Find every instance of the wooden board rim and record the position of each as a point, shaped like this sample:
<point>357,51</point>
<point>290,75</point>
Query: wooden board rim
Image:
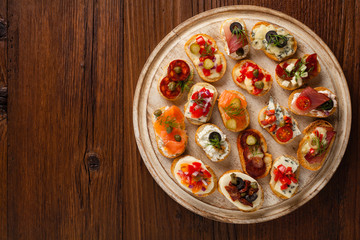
<point>291,204</point>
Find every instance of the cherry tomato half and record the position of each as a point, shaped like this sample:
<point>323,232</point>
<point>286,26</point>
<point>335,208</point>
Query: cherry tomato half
<point>284,134</point>
<point>303,103</point>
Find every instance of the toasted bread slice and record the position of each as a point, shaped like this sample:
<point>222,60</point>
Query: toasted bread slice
<point>195,58</point>
<point>189,79</point>
<point>267,52</point>
<point>267,157</point>
<point>224,181</point>
<point>202,140</point>
<point>193,89</point>
<point>236,73</point>
<point>160,143</point>
<point>306,139</point>
<point>304,81</point>
<point>318,113</point>
<point>293,187</point>
<point>176,167</point>
<point>246,48</point>
<point>246,113</point>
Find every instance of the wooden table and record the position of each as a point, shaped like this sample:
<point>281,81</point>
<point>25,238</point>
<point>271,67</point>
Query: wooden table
<point>69,165</point>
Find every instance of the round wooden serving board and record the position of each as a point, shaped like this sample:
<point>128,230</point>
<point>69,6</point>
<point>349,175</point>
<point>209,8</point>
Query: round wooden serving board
<point>147,99</point>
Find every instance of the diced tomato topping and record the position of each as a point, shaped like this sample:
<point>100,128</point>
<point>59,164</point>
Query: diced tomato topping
<point>200,40</point>
<point>270,112</point>
<point>271,119</point>
<point>268,78</point>
<point>194,176</point>
<point>273,128</point>
<point>202,59</point>
<point>240,78</point>
<point>284,186</point>
<point>207,174</point>
<point>249,75</point>
<point>312,151</point>
<point>282,168</point>
<point>219,68</point>
<point>293,179</point>
<point>206,72</point>
<point>212,50</point>
<point>197,165</point>
<point>257,91</point>
<point>285,176</point>
<point>209,42</point>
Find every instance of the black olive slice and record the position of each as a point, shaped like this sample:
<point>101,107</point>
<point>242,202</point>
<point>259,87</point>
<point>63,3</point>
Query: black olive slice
<point>270,36</point>
<point>327,105</point>
<point>240,183</point>
<point>251,198</point>
<point>215,135</point>
<point>235,27</point>
<point>240,52</point>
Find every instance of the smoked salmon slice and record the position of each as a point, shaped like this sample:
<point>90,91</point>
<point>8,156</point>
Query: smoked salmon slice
<point>171,118</point>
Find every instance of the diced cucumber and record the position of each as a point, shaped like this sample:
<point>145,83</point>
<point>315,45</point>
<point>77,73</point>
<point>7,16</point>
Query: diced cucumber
<point>195,48</point>
<point>251,140</point>
<point>208,64</point>
<point>231,124</point>
<point>235,103</point>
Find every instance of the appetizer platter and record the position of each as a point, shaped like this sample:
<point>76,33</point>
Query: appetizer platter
<point>220,136</point>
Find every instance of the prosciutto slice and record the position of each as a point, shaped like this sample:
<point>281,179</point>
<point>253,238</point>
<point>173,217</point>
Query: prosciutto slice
<point>315,97</point>
<point>234,43</point>
<point>318,158</point>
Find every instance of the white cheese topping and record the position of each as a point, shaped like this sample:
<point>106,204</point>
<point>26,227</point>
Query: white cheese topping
<point>190,160</point>
<point>203,139</point>
<point>287,162</point>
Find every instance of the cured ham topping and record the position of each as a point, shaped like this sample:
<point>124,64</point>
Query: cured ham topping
<point>201,103</point>
<point>236,39</point>
<point>253,153</point>
<point>194,176</point>
<point>242,190</point>
<point>309,99</point>
<point>319,144</point>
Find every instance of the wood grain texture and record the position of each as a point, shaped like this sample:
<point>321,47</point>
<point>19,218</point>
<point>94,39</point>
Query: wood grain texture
<point>72,68</point>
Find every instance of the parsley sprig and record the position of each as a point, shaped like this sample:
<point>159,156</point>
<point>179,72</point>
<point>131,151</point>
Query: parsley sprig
<point>232,110</point>
<point>186,84</point>
<point>215,142</point>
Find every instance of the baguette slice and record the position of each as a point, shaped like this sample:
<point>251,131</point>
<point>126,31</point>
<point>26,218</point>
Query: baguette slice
<point>261,117</point>
<point>291,86</point>
<point>176,167</point>
<point>306,139</point>
<point>236,74</point>
<point>195,58</point>
<point>224,181</point>
<point>194,88</point>
<point>319,113</point>
<point>269,54</point>
<point>213,153</point>
<point>246,113</point>
<point>246,48</point>
<point>272,180</point>
<point>160,142</point>
<point>267,157</point>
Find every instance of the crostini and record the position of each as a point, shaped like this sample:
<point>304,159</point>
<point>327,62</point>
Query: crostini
<point>176,80</point>
<point>200,104</point>
<point>277,43</point>
<point>251,77</point>
<point>255,161</point>
<point>313,102</point>
<point>232,106</point>
<point>170,133</point>
<point>241,190</point>
<point>213,141</point>
<point>194,176</point>
<point>278,122</point>
<point>294,73</point>
<point>316,144</point>
<point>209,62</point>
<point>233,33</point>
<point>284,174</point>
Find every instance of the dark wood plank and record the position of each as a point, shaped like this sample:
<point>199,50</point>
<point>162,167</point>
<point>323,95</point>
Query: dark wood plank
<point>3,119</point>
<point>48,183</point>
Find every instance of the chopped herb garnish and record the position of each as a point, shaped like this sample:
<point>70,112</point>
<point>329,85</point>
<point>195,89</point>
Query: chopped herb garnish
<point>232,110</point>
<point>215,142</point>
